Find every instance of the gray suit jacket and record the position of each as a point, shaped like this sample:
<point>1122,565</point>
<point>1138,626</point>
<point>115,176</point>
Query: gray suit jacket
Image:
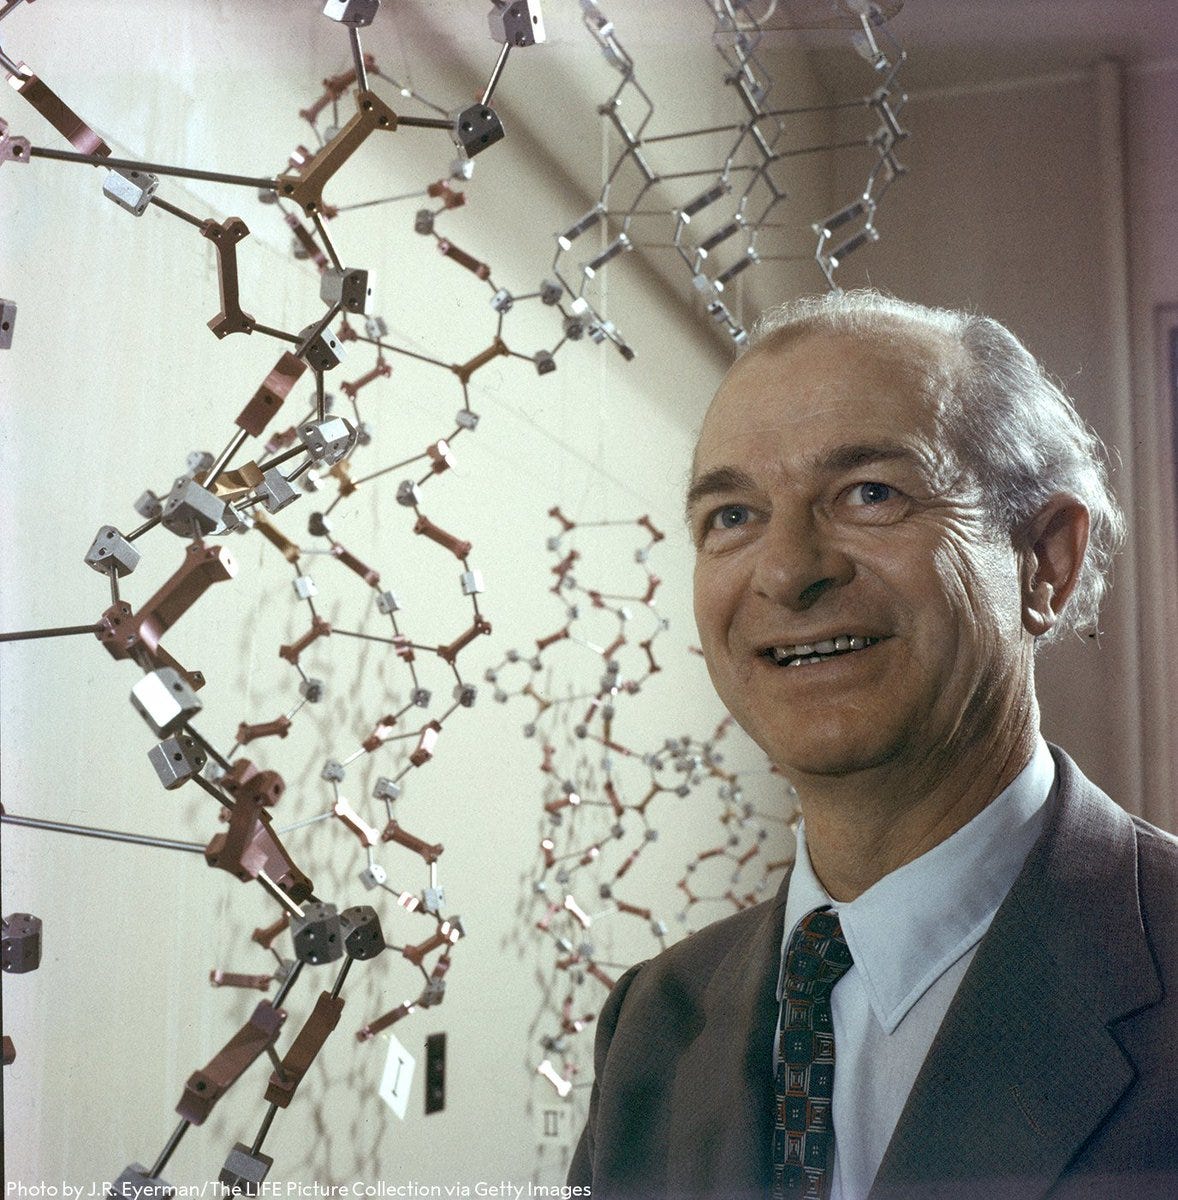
<point>1055,1072</point>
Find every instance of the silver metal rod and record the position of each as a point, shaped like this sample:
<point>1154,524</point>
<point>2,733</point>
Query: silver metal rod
<point>110,835</point>
<point>267,1121</point>
<point>226,457</point>
<point>177,212</point>
<point>100,160</point>
<point>335,262</point>
<point>208,747</point>
<point>169,1149</point>
<point>339,982</point>
<point>143,528</point>
<point>284,990</point>
<point>358,58</point>
<point>493,82</point>
<point>25,635</point>
<point>279,895</point>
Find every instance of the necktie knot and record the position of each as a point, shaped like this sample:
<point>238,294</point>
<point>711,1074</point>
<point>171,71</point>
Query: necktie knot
<point>818,956</point>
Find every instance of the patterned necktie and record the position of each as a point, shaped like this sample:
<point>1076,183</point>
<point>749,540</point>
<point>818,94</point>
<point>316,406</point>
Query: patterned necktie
<point>803,1133</point>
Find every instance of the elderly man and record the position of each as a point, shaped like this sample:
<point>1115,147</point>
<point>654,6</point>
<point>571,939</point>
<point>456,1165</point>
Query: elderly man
<point>968,985</point>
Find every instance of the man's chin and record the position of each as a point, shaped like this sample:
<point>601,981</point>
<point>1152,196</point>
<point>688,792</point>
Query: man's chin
<point>825,758</point>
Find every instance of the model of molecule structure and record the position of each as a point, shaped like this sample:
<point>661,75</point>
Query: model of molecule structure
<point>605,798</point>
<point>310,782</point>
<point>716,220</point>
<point>226,493</point>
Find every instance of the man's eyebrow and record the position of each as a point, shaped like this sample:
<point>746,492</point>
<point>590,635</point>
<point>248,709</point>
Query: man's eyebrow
<point>847,458</point>
<point>723,480</point>
<point>717,481</point>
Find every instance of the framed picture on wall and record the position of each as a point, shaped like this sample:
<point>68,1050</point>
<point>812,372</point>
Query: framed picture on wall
<point>1166,330</point>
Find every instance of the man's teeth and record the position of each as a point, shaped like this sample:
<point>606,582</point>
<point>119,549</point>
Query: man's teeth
<point>814,652</point>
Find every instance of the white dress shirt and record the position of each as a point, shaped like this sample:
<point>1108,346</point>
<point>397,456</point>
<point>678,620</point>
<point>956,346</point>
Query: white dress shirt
<point>912,937</point>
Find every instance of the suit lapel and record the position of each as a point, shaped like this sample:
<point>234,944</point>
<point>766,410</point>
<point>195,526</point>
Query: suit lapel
<point>722,1095</point>
<point>1024,1067</point>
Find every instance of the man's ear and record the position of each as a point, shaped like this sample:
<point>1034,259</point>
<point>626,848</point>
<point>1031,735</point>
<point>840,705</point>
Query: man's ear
<point>1053,544</point>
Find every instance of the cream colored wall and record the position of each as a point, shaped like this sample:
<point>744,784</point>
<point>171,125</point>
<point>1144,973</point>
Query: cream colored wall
<point>112,380</point>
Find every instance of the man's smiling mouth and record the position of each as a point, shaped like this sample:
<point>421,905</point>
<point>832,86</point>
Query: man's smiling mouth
<point>805,653</point>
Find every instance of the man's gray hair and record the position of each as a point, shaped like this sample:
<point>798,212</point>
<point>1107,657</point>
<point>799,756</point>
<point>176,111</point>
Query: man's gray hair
<point>1014,428</point>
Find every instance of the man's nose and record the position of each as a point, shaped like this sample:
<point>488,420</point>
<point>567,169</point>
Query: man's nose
<point>798,560</point>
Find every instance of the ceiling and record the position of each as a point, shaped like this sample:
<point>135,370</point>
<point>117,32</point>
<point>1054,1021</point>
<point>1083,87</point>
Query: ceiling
<point>964,42</point>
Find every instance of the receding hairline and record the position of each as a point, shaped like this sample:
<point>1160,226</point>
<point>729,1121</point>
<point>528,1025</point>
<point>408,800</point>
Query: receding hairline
<point>947,360</point>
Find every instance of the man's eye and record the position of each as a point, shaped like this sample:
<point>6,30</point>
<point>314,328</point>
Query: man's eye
<point>730,516</point>
<point>871,493</point>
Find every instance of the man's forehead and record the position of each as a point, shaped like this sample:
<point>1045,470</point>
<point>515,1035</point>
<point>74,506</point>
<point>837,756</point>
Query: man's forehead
<point>810,386</point>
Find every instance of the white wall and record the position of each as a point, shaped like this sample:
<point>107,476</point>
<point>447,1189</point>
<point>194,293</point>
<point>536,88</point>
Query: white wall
<point>112,380</point>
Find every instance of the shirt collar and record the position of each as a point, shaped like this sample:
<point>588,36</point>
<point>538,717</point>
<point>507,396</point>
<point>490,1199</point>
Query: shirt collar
<point>906,930</point>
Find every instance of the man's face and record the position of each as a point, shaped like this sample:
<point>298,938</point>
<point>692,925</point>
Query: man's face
<point>832,520</point>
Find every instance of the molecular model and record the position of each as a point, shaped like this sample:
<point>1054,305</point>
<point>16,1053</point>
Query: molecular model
<point>605,798</point>
<point>656,196</point>
<point>365,734</point>
<point>222,494</point>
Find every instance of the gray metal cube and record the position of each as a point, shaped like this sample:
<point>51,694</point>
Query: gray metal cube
<point>111,550</point>
<point>136,1184</point>
<point>131,190</point>
<point>7,322</point>
<point>519,23</point>
<point>327,441</point>
<point>363,938</point>
<point>165,701</point>
<point>20,944</point>
<point>244,1172</point>
<point>275,492</point>
<point>351,12</point>
<point>324,351</point>
<point>191,510</point>
<point>348,286</point>
<point>476,128</point>
<point>177,759</point>
<point>316,934</point>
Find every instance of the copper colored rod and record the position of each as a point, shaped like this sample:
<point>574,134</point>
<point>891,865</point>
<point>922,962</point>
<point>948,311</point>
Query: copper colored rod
<point>25,635</point>
<point>98,160</point>
<point>111,835</point>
